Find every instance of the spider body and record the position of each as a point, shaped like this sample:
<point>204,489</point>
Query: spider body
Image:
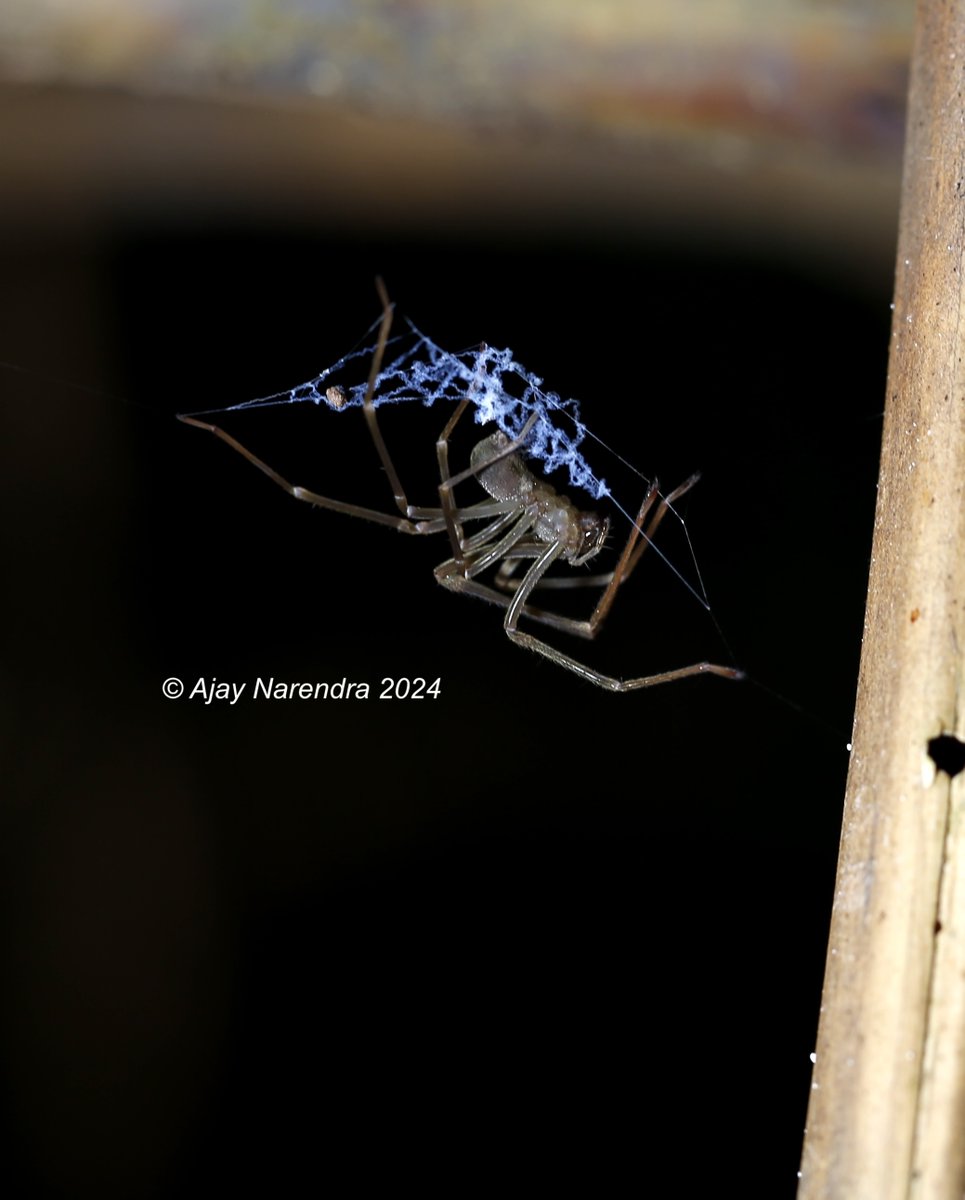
<point>556,517</point>
<point>528,521</point>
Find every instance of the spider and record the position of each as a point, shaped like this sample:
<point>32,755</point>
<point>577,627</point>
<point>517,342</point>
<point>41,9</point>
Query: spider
<point>527,521</point>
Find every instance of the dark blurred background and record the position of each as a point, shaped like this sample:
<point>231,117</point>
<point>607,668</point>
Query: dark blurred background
<point>424,940</point>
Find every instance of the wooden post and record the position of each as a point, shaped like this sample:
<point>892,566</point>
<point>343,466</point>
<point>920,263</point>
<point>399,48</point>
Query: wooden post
<point>887,1112</point>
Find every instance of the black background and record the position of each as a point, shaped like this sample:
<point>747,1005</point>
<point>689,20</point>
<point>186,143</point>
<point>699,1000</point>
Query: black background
<point>526,927</point>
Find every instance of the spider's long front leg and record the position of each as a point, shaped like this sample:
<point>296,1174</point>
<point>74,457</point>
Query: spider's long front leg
<point>430,520</point>
<point>432,524</point>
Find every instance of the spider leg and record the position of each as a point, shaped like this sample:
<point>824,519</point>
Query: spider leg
<point>481,539</point>
<point>495,552</point>
<point>611,580</point>
<point>453,576</point>
<point>505,581</point>
<point>368,406</point>
<point>403,524</point>
<point>422,520</point>
<point>448,482</point>
<point>511,447</point>
<point>625,565</point>
<point>639,538</point>
<point>446,499</point>
<point>457,576</point>
<point>407,510</point>
<point>503,510</point>
<point>413,520</point>
<point>640,535</point>
<point>515,609</point>
<point>665,506</point>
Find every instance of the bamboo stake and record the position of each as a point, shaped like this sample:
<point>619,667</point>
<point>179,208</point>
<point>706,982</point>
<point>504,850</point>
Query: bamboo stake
<point>887,1112</point>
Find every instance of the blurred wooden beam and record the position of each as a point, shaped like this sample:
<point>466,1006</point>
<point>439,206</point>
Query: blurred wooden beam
<point>761,122</point>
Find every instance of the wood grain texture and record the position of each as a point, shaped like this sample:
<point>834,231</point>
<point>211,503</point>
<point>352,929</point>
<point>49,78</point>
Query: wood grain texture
<point>887,1107</point>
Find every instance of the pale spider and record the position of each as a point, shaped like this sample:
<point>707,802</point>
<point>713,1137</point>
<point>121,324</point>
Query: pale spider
<point>527,520</point>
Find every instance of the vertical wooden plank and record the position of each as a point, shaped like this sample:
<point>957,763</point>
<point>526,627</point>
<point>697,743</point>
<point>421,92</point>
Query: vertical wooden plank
<point>887,1112</point>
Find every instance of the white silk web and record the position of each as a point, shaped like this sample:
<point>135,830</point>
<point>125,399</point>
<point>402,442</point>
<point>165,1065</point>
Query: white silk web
<point>502,392</point>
